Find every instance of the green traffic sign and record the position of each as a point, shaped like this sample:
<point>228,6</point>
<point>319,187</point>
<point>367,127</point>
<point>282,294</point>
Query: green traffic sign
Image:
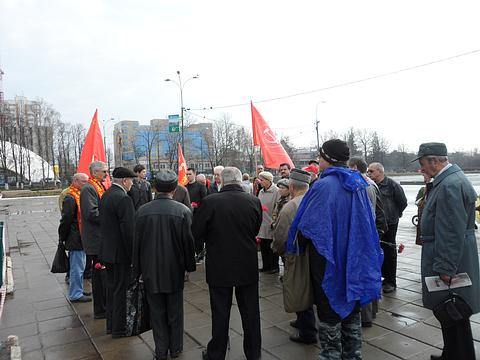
<point>174,128</point>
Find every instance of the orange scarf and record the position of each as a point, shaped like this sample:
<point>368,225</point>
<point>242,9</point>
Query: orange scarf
<point>72,190</point>
<point>98,186</point>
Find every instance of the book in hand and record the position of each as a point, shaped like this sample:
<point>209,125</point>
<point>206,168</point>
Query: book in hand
<point>434,283</point>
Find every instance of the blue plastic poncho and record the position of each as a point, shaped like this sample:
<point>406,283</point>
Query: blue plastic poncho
<point>336,215</point>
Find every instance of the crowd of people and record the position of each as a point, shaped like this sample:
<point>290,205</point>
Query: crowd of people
<point>331,224</point>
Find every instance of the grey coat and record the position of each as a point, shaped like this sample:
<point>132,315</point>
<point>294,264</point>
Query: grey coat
<point>91,237</point>
<point>268,198</point>
<point>447,230</point>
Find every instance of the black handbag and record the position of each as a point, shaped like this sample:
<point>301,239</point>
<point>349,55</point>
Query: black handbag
<point>60,264</point>
<point>138,311</point>
<point>452,309</point>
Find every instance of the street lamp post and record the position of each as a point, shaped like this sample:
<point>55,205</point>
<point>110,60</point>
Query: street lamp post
<point>180,86</point>
<point>105,122</point>
<point>316,124</point>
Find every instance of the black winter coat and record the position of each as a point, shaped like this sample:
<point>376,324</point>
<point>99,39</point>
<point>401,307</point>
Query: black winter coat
<point>68,232</point>
<point>393,198</point>
<point>117,220</point>
<point>164,246</point>
<point>228,222</point>
<point>141,193</point>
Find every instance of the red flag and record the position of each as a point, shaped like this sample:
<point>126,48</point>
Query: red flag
<point>182,167</point>
<point>93,149</point>
<point>273,152</point>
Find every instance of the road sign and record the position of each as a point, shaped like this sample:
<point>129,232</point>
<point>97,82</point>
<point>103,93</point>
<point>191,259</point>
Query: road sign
<point>173,127</point>
<point>174,118</point>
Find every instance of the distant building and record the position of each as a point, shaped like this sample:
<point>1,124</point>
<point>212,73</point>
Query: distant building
<point>156,147</point>
<point>301,156</point>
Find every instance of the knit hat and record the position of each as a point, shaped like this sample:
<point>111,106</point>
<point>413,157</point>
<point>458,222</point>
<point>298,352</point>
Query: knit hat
<point>267,175</point>
<point>283,182</point>
<point>166,181</point>
<point>335,151</point>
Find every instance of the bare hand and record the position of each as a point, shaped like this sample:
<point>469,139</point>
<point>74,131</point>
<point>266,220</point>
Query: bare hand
<point>446,279</point>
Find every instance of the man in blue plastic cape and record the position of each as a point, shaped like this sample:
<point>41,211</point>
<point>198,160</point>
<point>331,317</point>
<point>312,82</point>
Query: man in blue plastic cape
<point>336,220</point>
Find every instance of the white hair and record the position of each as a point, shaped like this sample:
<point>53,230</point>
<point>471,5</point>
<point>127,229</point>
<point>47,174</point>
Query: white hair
<point>378,166</point>
<point>96,165</point>
<point>231,175</point>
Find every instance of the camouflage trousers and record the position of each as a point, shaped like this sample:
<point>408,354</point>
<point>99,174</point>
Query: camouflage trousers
<point>342,340</point>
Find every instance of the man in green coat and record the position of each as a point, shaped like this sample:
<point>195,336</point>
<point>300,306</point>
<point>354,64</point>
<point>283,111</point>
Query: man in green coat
<point>449,244</point>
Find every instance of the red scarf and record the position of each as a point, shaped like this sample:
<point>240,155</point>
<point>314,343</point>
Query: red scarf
<point>72,190</point>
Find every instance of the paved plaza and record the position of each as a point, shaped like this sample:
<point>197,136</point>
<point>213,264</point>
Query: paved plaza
<point>50,327</point>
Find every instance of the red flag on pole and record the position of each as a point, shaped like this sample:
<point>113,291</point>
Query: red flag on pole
<point>273,152</point>
<point>93,149</point>
<point>182,167</point>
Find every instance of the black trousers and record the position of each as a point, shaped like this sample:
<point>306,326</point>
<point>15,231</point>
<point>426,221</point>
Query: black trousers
<point>307,328</point>
<point>99,290</point>
<point>166,316</point>
<point>87,273</point>
<point>458,342</point>
<point>389,266</point>
<point>118,279</point>
<point>221,303</point>
<point>269,258</point>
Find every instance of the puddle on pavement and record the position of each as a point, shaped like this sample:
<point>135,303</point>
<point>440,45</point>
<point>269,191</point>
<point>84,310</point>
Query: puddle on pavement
<point>404,319</point>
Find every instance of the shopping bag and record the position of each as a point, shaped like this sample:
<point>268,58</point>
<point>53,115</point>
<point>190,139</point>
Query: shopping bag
<point>60,264</point>
<point>138,312</point>
<point>297,285</point>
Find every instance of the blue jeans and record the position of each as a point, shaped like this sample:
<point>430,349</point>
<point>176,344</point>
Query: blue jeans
<point>77,266</point>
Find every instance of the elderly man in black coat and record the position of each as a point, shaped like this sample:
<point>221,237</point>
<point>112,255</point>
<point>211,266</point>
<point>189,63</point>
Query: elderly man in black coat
<point>228,223</point>
<point>163,251</point>
<point>117,220</point>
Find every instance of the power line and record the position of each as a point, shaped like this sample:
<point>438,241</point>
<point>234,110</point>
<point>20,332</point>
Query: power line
<point>348,83</point>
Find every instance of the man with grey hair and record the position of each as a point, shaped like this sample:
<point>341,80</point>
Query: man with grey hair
<point>117,218</point>
<point>246,184</point>
<point>89,200</point>
<point>449,247</point>
<point>217,181</point>
<point>228,223</point>
<point>394,202</point>
<point>69,235</point>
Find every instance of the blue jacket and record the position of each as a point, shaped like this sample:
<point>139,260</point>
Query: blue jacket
<point>337,217</point>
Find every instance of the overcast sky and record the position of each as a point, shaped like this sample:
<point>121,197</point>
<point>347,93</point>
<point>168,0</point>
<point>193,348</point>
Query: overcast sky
<point>115,55</point>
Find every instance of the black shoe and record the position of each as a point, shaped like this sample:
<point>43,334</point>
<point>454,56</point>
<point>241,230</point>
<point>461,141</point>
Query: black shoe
<point>436,357</point>
<point>388,288</point>
<point>99,316</point>
<point>175,354</point>
<point>117,336</point>
<point>273,271</point>
<point>301,340</point>
<point>262,270</point>
<point>294,324</point>
<point>87,293</point>
<point>366,324</point>
<point>204,355</point>
<point>82,299</point>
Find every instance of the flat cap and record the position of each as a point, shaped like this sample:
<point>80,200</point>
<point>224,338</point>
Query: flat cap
<point>267,175</point>
<point>122,172</point>
<point>300,175</point>
<point>431,149</point>
<point>166,181</point>
<point>283,182</point>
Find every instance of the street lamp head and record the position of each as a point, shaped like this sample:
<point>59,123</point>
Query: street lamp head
<point>167,80</point>
<point>178,72</point>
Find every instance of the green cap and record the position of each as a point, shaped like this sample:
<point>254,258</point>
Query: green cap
<point>431,149</point>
